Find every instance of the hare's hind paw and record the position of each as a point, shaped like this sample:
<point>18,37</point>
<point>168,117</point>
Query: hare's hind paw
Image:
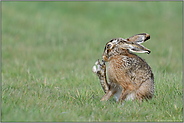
<point>94,69</point>
<point>99,68</point>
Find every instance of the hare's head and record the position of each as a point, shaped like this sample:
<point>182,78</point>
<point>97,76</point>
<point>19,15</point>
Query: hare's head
<point>120,46</point>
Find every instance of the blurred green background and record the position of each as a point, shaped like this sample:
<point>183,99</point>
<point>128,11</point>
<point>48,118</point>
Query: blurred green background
<point>46,46</point>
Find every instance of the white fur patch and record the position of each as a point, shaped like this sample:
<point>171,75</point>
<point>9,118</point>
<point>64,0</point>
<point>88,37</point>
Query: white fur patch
<point>130,96</point>
<point>141,51</point>
<point>94,69</point>
<point>117,94</point>
<point>96,63</point>
<point>115,41</point>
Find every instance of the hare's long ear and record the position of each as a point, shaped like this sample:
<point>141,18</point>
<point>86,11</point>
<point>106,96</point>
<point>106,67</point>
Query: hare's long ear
<point>139,38</point>
<point>133,47</point>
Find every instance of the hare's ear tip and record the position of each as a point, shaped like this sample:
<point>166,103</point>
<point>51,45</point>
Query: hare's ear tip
<point>149,52</point>
<point>147,36</point>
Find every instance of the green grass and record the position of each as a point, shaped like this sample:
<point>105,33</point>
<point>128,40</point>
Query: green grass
<point>48,50</point>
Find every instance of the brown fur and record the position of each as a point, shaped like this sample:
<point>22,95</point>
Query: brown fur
<point>126,70</point>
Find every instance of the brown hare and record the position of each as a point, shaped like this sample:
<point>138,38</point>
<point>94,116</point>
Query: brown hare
<point>130,77</point>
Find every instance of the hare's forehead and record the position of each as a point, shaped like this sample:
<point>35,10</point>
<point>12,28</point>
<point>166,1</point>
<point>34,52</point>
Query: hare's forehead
<point>116,40</point>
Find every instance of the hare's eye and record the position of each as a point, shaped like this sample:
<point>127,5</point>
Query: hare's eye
<point>108,46</point>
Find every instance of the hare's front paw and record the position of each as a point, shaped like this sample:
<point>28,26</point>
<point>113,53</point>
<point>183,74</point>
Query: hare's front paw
<point>99,68</point>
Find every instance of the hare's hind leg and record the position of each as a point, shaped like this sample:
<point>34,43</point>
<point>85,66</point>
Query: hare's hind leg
<point>123,95</point>
<point>100,71</point>
<point>145,91</point>
<point>108,94</point>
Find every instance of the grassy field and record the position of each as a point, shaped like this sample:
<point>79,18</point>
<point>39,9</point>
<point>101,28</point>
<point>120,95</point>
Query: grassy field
<point>48,50</point>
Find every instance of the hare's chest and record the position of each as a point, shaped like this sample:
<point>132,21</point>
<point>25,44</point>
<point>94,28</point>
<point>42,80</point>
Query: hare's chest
<point>119,66</point>
<point>119,63</point>
<point>115,69</point>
